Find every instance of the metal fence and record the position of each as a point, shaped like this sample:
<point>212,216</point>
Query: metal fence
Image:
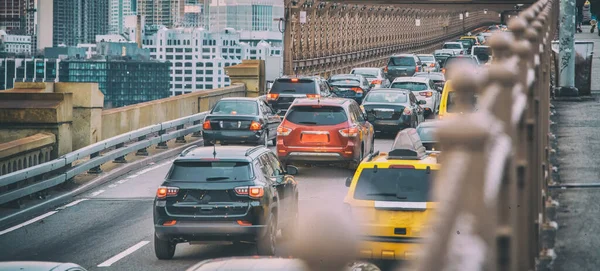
<point>21,183</point>
<point>492,188</point>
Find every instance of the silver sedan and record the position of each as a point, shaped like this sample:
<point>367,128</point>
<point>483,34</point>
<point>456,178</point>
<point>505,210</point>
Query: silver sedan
<point>375,76</point>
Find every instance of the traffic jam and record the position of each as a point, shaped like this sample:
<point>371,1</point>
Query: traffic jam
<point>235,189</point>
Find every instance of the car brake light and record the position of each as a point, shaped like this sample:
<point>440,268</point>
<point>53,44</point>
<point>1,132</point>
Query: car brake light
<point>206,125</point>
<point>426,93</point>
<point>402,166</point>
<point>295,80</point>
<point>254,192</point>
<point>165,191</point>
<point>283,131</point>
<point>272,96</point>
<point>444,70</point>
<point>313,96</point>
<point>432,65</point>
<point>376,82</point>
<point>170,223</point>
<point>357,90</point>
<point>255,126</point>
<point>416,68</point>
<point>349,132</point>
<point>407,111</point>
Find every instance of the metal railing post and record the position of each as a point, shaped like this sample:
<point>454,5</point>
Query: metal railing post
<point>120,159</point>
<point>180,139</point>
<point>142,151</point>
<point>96,169</point>
<point>162,144</point>
<point>199,133</point>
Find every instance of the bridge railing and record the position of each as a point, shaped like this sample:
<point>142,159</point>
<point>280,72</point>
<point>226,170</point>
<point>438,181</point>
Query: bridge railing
<point>492,188</point>
<point>21,183</point>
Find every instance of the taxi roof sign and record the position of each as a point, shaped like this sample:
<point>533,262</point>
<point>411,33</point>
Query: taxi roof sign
<point>408,146</point>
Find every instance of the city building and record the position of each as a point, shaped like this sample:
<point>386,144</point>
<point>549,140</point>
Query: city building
<point>43,32</point>
<point>161,12</point>
<point>77,22</point>
<point>17,44</point>
<point>14,15</point>
<point>198,57</point>
<point>193,15</point>
<point>118,11</point>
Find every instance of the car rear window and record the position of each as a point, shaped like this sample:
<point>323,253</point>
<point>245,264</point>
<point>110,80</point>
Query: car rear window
<point>402,61</point>
<point>386,97</point>
<point>427,134</point>
<point>368,73</point>
<point>452,100</point>
<point>317,115</point>
<point>414,86</point>
<point>482,50</point>
<point>209,171</point>
<point>426,58</point>
<point>344,81</point>
<point>394,184</point>
<point>451,46</point>
<point>466,42</point>
<point>293,86</point>
<point>236,107</point>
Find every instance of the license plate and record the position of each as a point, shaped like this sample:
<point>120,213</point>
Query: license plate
<point>383,115</point>
<point>386,122</point>
<point>315,138</point>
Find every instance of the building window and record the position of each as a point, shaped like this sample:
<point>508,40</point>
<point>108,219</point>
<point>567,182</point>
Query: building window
<point>209,71</point>
<point>177,71</point>
<point>169,50</point>
<point>199,79</point>
<point>206,50</point>
<point>199,71</point>
<point>188,71</point>
<point>209,64</point>
<point>178,57</point>
<point>199,86</point>
<point>188,57</point>
<point>188,50</point>
<point>209,87</point>
<point>199,64</point>
<point>178,64</point>
<point>209,79</point>
<point>179,50</point>
<point>169,57</point>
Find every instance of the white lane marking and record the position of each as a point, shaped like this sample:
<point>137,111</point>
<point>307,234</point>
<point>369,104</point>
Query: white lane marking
<point>123,254</point>
<point>31,221</point>
<point>75,203</point>
<point>122,181</point>
<point>132,176</point>
<point>97,193</point>
<point>112,186</point>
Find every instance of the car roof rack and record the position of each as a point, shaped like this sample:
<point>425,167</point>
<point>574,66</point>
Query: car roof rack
<point>408,146</point>
<point>253,149</point>
<point>187,150</point>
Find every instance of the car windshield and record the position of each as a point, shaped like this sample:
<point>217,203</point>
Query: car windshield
<point>427,58</point>
<point>427,134</point>
<point>368,73</point>
<point>209,171</point>
<point>414,86</point>
<point>294,86</point>
<point>386,97</point>
<point>236,108</point>
<point>316,115</point>
<point>452,100</point>
<point>394,184</point>
<point>402,61</point>
<point>452,46</point>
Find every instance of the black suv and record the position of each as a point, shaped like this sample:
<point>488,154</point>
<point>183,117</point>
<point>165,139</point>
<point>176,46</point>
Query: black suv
<point>225,194</point>
<point>286,89</point>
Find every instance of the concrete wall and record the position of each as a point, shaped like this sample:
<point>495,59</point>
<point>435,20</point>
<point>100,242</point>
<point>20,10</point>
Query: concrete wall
<point>87,112</point>
<point>121,120</point>
<point>26,152</point>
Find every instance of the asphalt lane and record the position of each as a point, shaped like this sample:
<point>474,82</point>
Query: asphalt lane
<point>110,227</point>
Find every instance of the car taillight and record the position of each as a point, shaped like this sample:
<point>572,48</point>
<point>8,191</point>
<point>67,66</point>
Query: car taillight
<point>272,96</point>
<point>432,65</point>
<point>357,90</point>
<point>254,192</point>
<point>407,111</point>
<point>255,126</point>
<point>426,93</point>
<point>349,132</point>
<point>416,68</point>
<point>444,70</point>
<point>376,82</point>
<point>385,69</point>
<point>283,131</point>
<point>166,191</point>
<point>313,95</point>
<point>206,125</point>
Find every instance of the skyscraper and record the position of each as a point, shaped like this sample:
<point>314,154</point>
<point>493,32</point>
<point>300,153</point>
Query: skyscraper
<point>16,15</point>
<point>79,21</point>
<point>161,12</point>
<point>118,10</point>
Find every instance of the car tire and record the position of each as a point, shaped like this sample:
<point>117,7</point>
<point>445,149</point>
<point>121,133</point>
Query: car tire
<point>164,249</point>
<point>354,164</point>
<point>266,245</point>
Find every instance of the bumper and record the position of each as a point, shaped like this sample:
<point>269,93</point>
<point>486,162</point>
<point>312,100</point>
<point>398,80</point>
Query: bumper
<point>315,155</point>
<point>392,125</point>
<point>232,136</point>
<point>209,231</point>
<point>393,249</point>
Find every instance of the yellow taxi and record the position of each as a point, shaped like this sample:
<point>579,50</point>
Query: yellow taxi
<point>389,198</point>
<point>448,102</point>
<point>473,39</point>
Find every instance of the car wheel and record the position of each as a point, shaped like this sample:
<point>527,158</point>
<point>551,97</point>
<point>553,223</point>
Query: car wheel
<point>267,243</point>
<point>164,249</point>
<point>354,164</point>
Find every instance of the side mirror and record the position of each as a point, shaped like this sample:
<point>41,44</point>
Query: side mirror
<point>278,111</point>
<point>292,170</point>
<point>370,118</point>
<point>439,89</point>
<point>422,102</point>
<point>348,181</point>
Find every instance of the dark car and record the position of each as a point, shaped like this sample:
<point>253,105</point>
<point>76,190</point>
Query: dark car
<point>403,65</point>
<point>286,89</point>
<point>39,266</point>
<point>393,109</point>
<point>225,194</point>
<point>351,86</point>
<point>325,131</point>
<point>438,78</point>
<point>426,131</point>
<point>241,121</point>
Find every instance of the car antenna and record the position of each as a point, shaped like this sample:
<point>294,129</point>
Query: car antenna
<point>214,149</point>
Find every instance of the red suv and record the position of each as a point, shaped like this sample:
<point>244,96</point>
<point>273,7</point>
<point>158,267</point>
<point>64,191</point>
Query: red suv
<point>324,131</point>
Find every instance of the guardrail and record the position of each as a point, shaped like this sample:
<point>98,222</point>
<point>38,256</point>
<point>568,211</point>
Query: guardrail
<point>492,187</point>
<point>35,179</point>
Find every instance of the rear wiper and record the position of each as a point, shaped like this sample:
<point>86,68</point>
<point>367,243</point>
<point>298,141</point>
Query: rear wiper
<point>216,178</point>
<point>387,194</point>
<point>289,90</point>
<point>307,122</point>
